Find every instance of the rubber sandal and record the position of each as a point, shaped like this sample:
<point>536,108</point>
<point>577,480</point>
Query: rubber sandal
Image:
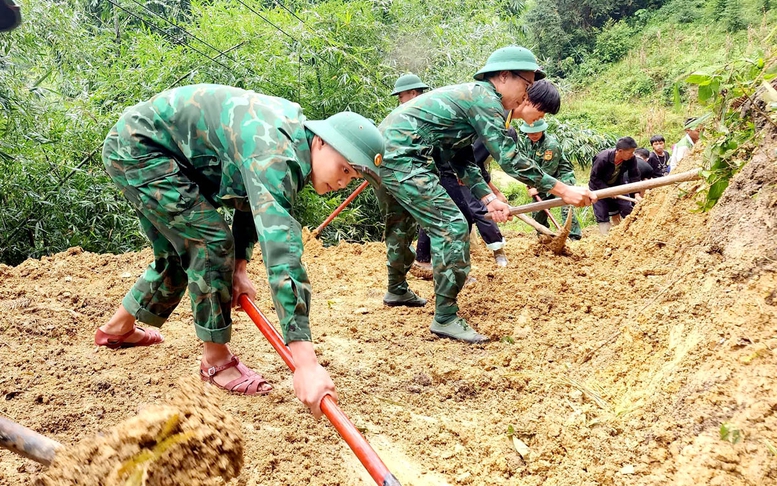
<point>115,341</point>
<point>248,383</point>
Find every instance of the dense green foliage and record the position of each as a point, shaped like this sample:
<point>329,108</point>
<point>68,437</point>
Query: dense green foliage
<point>566,32</point>
<point>741,98</point>
<point>635,96</point>
<point>74,65</point>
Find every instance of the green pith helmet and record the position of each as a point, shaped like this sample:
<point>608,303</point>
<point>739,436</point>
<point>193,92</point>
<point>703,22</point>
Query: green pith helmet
<point>511,58</point>
<point>408,81</point>
<point>354,137</point>
<point>536,127</point>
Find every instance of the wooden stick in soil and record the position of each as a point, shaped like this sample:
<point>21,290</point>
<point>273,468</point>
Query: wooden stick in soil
<point>547,211</point>
<point>531,222</point>
<point>627,198</point>
<point>347,430</point>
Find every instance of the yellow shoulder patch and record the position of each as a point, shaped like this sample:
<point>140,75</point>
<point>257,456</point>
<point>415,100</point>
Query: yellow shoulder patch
<point>548,155</point>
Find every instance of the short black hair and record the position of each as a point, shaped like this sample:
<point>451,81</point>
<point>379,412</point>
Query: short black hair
<point>642,152</point>
<point>545,96</point>
<point>625,143</point>
<point>656,138</point>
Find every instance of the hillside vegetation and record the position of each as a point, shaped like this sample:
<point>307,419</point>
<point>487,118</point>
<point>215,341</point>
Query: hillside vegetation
<point>73,66</point>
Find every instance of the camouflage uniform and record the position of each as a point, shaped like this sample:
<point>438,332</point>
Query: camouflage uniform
<point>432,128</point>
<point>547,153</point>
<point>184,153</point>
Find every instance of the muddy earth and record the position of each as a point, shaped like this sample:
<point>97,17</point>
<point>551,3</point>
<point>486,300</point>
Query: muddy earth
<point>644,358</point>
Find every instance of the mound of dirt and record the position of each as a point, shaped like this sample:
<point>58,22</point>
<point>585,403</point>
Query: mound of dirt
<point>189,441</point>
<point>643,358</point>
<point>744,222</point>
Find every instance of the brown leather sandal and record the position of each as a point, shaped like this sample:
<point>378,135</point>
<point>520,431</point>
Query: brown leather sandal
<point>249,383</point>
<point>115,341</point>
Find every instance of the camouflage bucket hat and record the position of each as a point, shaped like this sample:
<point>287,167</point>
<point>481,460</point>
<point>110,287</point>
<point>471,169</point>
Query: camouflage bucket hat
<point>406,82</point>
<point>354,137</point>
<point>511,58</point>
<point>536,127</point>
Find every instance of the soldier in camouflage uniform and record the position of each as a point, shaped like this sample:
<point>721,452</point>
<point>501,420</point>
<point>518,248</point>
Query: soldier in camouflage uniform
<point>189,150</point>
<point>546,152</point>
<point>429,129</point>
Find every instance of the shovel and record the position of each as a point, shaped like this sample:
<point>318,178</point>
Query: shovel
<point>339,209</point>
<point>558,240</point>
<point>27,442</point>
<point>347,430</point>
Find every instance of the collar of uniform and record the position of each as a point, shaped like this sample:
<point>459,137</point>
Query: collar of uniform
<point>490,87</point>
<point>308,164</point>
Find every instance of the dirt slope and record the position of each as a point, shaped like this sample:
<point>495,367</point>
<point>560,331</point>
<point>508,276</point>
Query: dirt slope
<point>616,364</point>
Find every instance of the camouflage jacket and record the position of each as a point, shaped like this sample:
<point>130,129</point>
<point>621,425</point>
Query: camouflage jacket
<point>244,150</point>
<point>434,126</point>
<point>546,153</point>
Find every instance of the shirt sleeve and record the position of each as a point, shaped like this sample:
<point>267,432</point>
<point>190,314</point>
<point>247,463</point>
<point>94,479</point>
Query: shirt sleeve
<point>271,189</point>
<point>489,124</point>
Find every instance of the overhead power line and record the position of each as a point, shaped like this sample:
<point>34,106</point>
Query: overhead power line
<point>318,34</point>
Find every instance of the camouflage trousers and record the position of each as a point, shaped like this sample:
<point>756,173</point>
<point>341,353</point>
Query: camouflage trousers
<point>542,217</point>
<point>414,198</point>
<point>193,245</point>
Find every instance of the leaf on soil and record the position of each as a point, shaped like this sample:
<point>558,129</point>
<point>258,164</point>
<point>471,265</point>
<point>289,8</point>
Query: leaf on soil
<point>730,433</point>
<point>520,446</point>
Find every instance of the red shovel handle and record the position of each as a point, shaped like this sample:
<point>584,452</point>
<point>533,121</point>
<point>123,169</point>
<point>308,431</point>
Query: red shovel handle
<point>339,209</point>
<point>344,426</point>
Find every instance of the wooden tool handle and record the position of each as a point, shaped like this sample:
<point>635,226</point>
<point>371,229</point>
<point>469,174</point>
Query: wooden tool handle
<point>27,442</point>
<point>612,191</point>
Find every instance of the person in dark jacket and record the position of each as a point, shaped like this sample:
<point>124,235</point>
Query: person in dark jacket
<point>613,167</point>
<point>645,169</point>
<point>659,157</point>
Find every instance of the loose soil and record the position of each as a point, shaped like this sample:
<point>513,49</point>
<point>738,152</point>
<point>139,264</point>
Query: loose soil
<point>615,363</point>
<point>187,440</point>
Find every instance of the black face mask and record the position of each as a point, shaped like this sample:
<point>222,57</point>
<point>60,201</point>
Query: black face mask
<point>10,17</point>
